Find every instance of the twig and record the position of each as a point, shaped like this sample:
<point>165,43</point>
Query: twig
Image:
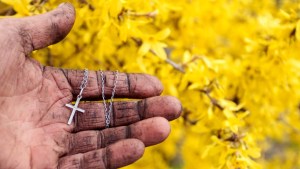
<point>212,100</point>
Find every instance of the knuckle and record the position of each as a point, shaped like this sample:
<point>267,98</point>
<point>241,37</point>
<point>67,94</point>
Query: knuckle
<point>16,33</point>
<point>25,40</point>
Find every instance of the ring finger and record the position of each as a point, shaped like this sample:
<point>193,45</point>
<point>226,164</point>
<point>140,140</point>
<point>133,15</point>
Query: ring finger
<point>151,131</point>
<point>117,155</point>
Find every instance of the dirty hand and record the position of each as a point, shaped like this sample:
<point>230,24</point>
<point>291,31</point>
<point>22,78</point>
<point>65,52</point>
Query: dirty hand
<point>33,117</point>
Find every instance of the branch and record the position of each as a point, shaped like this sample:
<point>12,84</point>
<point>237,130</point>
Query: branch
<point>212,100</point>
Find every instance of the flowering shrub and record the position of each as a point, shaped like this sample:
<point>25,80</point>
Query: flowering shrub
<point>233,64</point>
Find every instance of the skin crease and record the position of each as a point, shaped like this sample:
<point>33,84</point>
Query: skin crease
<point>33,116</point>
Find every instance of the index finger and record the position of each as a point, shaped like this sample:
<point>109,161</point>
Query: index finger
<point>128,85</point>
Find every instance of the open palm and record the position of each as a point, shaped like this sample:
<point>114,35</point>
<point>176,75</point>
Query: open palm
<point>33,117</point>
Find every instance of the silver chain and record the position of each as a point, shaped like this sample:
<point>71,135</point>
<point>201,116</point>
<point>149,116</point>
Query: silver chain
<point>108,112</point>
<point>83,82</point>
<point>103,96</point>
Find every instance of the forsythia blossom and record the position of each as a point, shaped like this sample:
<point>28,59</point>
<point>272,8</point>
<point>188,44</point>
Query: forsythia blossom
<point>234,65</point>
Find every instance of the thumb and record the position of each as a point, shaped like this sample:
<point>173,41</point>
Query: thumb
<point>43,30</point>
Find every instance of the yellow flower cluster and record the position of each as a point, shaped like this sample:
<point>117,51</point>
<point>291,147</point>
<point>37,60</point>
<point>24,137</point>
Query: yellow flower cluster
<point>234,65</point>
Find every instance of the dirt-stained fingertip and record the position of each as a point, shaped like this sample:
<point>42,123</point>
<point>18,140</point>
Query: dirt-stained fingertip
<point>144,85</point>
<point>165,106</point>
<point>124,152</point>
<point>65,14</point>
<point>151,131</point>
<point>42,30</point>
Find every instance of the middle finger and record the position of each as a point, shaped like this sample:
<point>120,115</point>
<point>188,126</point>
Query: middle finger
<point>150,131</point>
<point>126,112</point>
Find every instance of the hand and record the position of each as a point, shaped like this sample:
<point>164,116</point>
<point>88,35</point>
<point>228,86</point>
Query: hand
<point>33,116</point>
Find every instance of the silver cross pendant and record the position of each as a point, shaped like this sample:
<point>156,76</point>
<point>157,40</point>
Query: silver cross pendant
<point>75,108</point>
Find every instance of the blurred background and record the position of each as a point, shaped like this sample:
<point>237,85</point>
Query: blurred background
<point>235,66</point>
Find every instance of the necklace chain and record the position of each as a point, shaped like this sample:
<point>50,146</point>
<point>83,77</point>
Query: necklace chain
<point>83,82</point>
<point>108,112</point>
